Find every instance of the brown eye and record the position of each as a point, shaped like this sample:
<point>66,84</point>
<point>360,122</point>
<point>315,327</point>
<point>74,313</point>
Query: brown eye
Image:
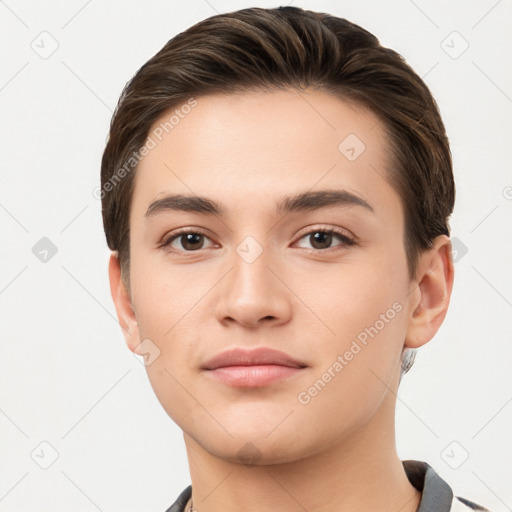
<point>191,241</point>
<point>322,239</point>
<point>185,241</point>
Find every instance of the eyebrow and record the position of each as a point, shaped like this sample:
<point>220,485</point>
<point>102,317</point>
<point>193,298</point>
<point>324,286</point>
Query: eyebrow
<point>296,203</point>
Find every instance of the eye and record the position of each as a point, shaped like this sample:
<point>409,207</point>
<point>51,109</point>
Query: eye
<point>190,240</point>
<point>321,239</point>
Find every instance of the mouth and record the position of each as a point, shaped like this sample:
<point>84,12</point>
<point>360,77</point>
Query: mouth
<point>252,368</point>
<point>253,376</point>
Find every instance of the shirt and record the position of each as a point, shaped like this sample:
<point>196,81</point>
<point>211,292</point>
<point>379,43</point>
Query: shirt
<point>436,494</point>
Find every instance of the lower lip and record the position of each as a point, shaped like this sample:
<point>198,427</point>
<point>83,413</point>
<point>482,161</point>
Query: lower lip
<point>253,376</point>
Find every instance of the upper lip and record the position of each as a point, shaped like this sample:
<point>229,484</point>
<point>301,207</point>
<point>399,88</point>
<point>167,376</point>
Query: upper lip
<point>257,356</point>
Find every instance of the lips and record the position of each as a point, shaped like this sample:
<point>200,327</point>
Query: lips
<point>255,357</point>
<point>254,368</point>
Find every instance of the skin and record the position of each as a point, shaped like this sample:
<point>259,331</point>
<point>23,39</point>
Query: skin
<point>337,452</point>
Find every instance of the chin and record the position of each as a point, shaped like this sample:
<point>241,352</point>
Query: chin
<point>257,452</point>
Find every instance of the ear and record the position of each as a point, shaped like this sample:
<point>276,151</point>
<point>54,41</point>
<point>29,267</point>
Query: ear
<point>430,296</point>
<point>123,303</point>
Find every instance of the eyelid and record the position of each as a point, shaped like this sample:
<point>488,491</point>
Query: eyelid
<point>343,232</point>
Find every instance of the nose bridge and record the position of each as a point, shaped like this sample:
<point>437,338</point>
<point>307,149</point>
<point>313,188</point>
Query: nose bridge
<point>251,278</point>
<point>251,261</point>
<point>251,291</point>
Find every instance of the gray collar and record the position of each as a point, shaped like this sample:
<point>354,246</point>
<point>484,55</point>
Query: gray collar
<point>436,494</point>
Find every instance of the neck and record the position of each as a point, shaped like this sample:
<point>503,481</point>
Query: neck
<point>361,472</point>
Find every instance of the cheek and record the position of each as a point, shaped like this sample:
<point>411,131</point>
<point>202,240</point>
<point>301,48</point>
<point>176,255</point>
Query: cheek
<point>165,296</point>
<point>345,300</point>
<point>165,316</point>
<point>358,364</point>
<point>363,324</point>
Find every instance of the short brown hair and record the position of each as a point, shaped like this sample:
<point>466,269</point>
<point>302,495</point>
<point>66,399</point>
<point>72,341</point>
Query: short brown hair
<point>287,47</point>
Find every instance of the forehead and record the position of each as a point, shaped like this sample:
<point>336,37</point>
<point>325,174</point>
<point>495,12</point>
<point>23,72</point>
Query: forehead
<point>246,151</point>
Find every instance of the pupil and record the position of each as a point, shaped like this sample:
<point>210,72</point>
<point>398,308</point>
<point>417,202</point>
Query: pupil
<point>191,239</point>
<point>324,238</point>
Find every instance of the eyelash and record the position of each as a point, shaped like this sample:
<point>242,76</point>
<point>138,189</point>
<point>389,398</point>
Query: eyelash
<point>346,241</point>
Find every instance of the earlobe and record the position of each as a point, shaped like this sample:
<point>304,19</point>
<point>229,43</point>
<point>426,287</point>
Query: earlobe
<point>123,304</point>
<point>432,294</point>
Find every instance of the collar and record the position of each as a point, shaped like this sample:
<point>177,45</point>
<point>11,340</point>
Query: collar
<point>436,494</point>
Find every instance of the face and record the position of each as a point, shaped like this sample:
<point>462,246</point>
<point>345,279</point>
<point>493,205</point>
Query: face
<point>322,279</point>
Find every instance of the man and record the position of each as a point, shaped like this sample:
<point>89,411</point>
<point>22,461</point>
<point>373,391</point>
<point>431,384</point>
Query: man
<point>276,191</point>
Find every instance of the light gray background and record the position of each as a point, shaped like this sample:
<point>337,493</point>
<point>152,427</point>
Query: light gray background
<point>67,377</point>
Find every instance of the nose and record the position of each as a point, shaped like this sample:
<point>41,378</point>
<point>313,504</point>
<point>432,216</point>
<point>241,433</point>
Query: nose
<point>252,293</point>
